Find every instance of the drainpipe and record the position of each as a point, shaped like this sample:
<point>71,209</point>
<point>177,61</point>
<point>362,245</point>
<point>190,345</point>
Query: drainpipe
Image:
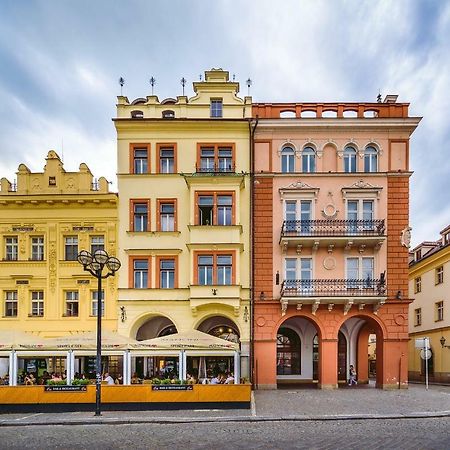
<point>252,128</point>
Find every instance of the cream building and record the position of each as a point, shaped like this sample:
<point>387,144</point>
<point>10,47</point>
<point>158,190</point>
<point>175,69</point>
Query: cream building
<point>184,214</point>
<point>429,285</point>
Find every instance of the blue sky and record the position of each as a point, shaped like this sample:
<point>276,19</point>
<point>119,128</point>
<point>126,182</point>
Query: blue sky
<point>60,61</point>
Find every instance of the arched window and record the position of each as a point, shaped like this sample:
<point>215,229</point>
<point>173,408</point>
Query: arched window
<point>287,160</point>
<point>370,159</point>
<point>308,160</point>
<point>288,352</point>
<point>349,159</point>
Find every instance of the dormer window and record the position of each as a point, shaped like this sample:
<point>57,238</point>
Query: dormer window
<point>52,181</point>
<point>137,115</point>
<point>168,114</point>
<point>216,107</point>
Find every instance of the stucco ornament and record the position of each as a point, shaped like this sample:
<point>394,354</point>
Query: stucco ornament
<point>330,211</point>
<point>405,237</point>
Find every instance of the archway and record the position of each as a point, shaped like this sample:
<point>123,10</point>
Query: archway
<point>222,327</point>
<point>155,327</point>
<point>297,353</point>
<point>364,349</point>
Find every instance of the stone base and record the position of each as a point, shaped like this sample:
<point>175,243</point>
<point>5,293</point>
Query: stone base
<point>328,386</point>
<point>266,386</point>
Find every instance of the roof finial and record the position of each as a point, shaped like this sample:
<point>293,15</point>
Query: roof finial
<point>379,96</point>
<point>121,82</point>
<point>183,83</point>
<point>249,83</point>
<point>152,82</point>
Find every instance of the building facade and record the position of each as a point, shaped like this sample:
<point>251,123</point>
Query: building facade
<point>46,218</point>
<point>429,286</point>
<point>184,215</point>
<point>330,262</point>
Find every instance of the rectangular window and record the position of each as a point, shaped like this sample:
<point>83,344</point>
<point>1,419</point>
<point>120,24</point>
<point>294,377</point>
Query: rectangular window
<point>140,273</point>
<point>439,311</point>
<point>167,158</point>
<point>166,273</point>
<point>417,285</point>
<point>37,248</point>
<point>418,317</point>
<point>440,275</point>
<point>298,273</point>
<point>224,269</point>
<point>94,303</point>
<point>166,214</point>
<point>215,268</point>
<point>139,158</point>
<point>216,107</point>
<point>140,215</point>
<point>218,158</point>
<point>360,272</point>
<point>215,208</point>
<point>37,303</point>
<point>70,248</point>
<point>11,304</point>
<point>360,210</point>
<point>71,303</point>
<point>12,248</point>
<point>97,243</point>
<point>205,269</point>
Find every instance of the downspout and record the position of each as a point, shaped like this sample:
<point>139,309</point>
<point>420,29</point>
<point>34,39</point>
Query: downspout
<point>252,128</point>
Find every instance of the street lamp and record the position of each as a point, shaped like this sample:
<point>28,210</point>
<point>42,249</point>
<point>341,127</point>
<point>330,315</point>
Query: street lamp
<point>94,264</point>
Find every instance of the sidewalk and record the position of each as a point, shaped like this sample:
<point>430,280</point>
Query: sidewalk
<point>291,405</point>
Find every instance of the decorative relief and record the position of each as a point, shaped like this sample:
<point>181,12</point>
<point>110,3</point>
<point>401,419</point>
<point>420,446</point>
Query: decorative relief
<point>330,211</point>
<point>405,237</point>
<point>299,185</point>
<point>52,266</point>
<point>260,321</point>
<point>361,184</point>
<point>329,263</point>
<point>70,184</point>
<point>22,244</point>
<point>399,320</point>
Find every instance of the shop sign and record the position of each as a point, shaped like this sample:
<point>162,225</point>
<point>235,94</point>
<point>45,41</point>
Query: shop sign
<point>64,388</point>
<point>172,387</point>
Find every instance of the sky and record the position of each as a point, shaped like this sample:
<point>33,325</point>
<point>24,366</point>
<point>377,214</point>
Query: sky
<point>60,61</point>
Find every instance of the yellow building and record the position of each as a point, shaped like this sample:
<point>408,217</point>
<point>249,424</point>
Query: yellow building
<point>184,215</point>
<point>45,219</point>
<point>429,285</point>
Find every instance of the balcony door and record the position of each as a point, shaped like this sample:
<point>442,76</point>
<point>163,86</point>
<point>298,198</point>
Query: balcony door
<point>360,210</point>
<point>298,210</point>
<point>360,272</point>
<point>298,274</point>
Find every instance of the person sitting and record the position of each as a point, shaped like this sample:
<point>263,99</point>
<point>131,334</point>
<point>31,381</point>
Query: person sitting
<point>215,380</point>
<point>29,380</point>
<point>135,379</point>
<point>119,380</point>
<point>108,378</point>
<point>229,379</point>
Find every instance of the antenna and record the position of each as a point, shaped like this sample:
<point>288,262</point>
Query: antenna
<point>183,83</point>
<point>121,82</point>
<point>152,83</point>
<point>249,83</point>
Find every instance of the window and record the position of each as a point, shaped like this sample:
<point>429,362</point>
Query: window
<point>370,159</point>
<point>216,107</point>
<point>166,214</point>
<point>350,159</point>
<point>94,303</point>
<point>288,352</point>
<point>214,158</point>
<point>37,303</point>
<point>360,269</point>
<point>166,158</point>
<point>97,243</point>
<point>215,269</point>
<point>11,248</point>
<point>418,317</point>
<point>439,311</point>
<point>298,273</point>
<point>287,160</point>
<point>37,248</point>
<point>167,273</point>
<point>140,217</point>
<point>139,158</point>
<point>298,210</point>
<point>70,248</point>
<point>417,285</point>
<point>11,304</point>
<point>215,208</point>
<point>71,303</point>
<point>440,275</point>
<point>140,273</point>
<point>308,160</point>
<point>360,210</point>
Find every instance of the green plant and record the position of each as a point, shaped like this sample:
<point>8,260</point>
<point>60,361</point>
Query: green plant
<point>57,382</point>
<point>165,381</point>
<point>80,382</point>
<point>156,381</point>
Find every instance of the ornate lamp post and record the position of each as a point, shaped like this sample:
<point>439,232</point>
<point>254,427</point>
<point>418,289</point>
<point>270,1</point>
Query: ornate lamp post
<point>94,264</point>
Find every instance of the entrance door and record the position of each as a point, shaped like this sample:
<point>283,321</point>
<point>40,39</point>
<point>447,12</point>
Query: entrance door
<point>316,358</point>
<point>342,357</point>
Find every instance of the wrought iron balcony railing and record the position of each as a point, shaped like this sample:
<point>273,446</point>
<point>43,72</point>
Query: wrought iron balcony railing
<point>228,167</point>
<point>334,288</point>
<point>330,227</point>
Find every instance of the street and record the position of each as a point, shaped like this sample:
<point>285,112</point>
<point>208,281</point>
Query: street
<point>360,434</point>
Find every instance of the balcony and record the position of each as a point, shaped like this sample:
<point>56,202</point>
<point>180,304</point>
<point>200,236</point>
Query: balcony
<point>221,168</point>
<point>330,292</point>
<point>228,295</point>
<point>326,232</point>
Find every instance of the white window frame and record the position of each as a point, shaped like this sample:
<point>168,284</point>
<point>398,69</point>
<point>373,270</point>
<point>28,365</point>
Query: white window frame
<point>37,303</point>
<point>288,151</point>
<point>12,242</point>
<point>418,317</point>
<point>37,248</point>
<point>94,303</point>
<point>309,156</point>
<point>439,308</point>
<point>70,298</point>
<point>360,269</point>
<point>345,157</point>
<point>369,157</point>
<point>11,297</point>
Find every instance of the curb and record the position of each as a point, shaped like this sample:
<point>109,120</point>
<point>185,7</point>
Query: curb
<point>248,419</point>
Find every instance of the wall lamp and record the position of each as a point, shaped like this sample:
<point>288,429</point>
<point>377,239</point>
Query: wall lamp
<point>398,296</point>
<point>262,295</point>
<point>442,341</point>
<point>214,291</point>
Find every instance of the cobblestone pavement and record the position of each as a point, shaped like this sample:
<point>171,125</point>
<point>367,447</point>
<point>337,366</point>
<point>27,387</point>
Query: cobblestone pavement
<point>401,434</point>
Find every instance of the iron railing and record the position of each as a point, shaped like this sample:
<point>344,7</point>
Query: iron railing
<point>334,288</point>
<point>330,227</point>
<point>216,168</point>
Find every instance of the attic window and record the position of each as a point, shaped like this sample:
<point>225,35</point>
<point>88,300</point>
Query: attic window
<point>137,115</point>
<point>216,107</point>
<point>168,114</point>
<point>52,181</point>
